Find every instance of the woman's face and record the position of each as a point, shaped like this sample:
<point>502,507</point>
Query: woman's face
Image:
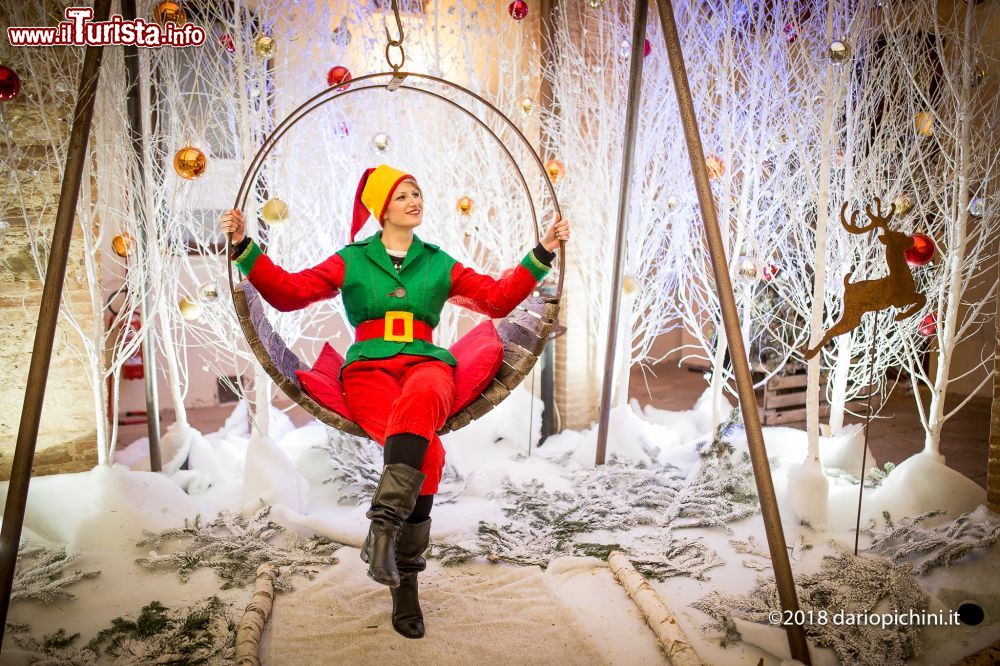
<point>406,206</point>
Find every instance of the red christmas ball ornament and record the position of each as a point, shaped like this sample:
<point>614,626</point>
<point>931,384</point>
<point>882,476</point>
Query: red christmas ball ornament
<point>338,75</point>
<point>518,9</point>
<point>10,83</point>
<point>227,42</point>
<point>647,48</point>
<point>769,272</point>
<point>922,252</point>
<point>791,33</point>
<point>928,325</point>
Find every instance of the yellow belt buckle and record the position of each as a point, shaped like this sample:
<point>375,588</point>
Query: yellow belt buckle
<point>395,315</point>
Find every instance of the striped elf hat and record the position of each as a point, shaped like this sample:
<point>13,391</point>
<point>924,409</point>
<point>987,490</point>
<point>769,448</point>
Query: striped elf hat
<point>374,190</point>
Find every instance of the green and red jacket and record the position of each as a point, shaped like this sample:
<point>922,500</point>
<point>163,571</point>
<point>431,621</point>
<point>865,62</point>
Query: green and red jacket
<point>370,285</point>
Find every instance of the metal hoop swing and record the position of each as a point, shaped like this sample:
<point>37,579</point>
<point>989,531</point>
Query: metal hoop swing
<point>524,332</point>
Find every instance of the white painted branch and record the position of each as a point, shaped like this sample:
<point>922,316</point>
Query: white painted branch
<point>659,618</point>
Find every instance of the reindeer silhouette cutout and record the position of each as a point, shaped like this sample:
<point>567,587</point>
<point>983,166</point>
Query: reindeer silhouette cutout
<point>896,289</point>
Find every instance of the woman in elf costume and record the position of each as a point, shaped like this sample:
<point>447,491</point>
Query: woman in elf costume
<point>398,385</point>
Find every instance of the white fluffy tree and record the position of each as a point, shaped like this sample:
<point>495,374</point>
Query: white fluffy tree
<point>951,172</point>
<point>35,153</point>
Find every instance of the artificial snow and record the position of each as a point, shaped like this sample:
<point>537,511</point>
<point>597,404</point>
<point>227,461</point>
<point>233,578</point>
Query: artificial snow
<point>101,513</point>
<point>808,490</point>
<point>845,450</point>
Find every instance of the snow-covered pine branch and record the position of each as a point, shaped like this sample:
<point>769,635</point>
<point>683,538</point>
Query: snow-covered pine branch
<point>720,490</point>
<point>40,573</point>
<point>846,584</point>
<point>203,632</point>
<point>908,539</point>
<point>234,547</point>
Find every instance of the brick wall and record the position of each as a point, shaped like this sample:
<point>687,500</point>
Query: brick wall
<point>32,123</point>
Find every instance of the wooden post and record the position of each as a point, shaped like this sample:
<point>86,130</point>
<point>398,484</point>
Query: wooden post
<point>48,315</point>
<point>138,188</point>
<point>625,187</point>
<point>734,336</point>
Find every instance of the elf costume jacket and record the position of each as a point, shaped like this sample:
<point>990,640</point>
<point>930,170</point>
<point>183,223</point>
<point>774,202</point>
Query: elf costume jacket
<point>372,289</point>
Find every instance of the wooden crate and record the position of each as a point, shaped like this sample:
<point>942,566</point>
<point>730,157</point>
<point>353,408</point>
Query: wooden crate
<point>783,400</point>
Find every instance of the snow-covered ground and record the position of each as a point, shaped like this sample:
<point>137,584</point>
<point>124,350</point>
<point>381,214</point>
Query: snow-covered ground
<point>102,513</point>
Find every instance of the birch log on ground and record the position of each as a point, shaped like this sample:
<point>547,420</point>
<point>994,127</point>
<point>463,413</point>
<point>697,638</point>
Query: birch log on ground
<point>255,617</point>
<point>659,618</point>
<point>993,462</point>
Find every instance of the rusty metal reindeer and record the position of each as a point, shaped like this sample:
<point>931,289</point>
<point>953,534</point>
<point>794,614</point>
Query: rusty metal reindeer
<point>897,289</point>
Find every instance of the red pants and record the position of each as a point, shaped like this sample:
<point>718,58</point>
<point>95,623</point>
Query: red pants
<point>404,393</point>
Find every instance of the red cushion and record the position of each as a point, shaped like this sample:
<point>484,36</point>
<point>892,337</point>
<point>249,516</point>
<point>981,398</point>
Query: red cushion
<point>323,381</point>
<point>479,354</point>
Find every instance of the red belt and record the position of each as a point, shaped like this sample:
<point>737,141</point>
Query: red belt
<point>396,326</point>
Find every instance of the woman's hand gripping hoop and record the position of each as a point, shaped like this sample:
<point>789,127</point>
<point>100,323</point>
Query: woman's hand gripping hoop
<point>558,232</point>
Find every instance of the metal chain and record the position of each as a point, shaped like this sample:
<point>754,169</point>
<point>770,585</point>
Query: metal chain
<point>397,43</point>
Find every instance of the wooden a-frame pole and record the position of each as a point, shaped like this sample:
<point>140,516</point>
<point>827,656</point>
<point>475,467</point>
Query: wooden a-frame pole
<point>48,315</point>
<point>724,288</point>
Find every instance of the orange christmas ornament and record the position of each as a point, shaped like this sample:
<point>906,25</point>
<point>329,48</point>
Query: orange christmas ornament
<point>716,167</point>
<point>189,162</point>
<point>924,123</point>
<point>555,169</point>
<point>122,244</point>
<point>169,12</point>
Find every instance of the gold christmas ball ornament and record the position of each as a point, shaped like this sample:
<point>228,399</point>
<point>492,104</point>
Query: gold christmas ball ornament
<point>839,52</point>
<point>464,205</point>
<point>526,104</point>
<point>208,292</point>
<point>555,169</point>
<point>380,142</point>
<point>629,285</point>
<point>189,162</point>
<point>190,309</point>
<point>595,4</point>
<point>122,244</point>
<point>716,167</point>
<point>169,12</point>
<point>748,269</point>
<point>265,46</point>
<point>904,204</point>
<point>979,75</point>
<point>274,211</point>
<point>924,123</point>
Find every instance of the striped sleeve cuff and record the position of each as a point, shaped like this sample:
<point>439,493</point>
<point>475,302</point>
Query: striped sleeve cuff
<point>534,266</point>
<point>247,258</point>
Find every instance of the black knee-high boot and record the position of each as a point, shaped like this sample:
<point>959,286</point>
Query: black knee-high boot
<point>392,502</point>
<point>407,618</point>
